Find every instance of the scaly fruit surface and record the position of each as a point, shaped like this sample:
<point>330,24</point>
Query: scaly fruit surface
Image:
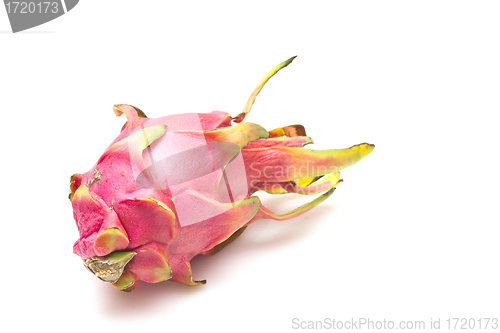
<point>170,188</point>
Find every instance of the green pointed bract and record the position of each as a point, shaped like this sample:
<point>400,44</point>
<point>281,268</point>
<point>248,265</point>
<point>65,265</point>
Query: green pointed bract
<point>281,164</point>
<point>109,268</point>
<point>126,282</point>
<point>239,134</point>
<point>265,213</point>
<point>110,240</point>
<point>170,188</point>
<point>248,105</point>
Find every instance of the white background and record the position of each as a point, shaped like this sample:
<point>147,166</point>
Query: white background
<point>411,234</point>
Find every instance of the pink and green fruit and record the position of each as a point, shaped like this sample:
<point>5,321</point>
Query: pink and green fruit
<point>170,188</point>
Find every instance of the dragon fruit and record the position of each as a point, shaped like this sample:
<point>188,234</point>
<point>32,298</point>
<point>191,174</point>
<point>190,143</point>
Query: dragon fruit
<point>170,188</point>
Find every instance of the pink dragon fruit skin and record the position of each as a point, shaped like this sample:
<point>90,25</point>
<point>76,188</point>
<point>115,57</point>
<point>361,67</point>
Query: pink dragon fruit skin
<point>170,188</point>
